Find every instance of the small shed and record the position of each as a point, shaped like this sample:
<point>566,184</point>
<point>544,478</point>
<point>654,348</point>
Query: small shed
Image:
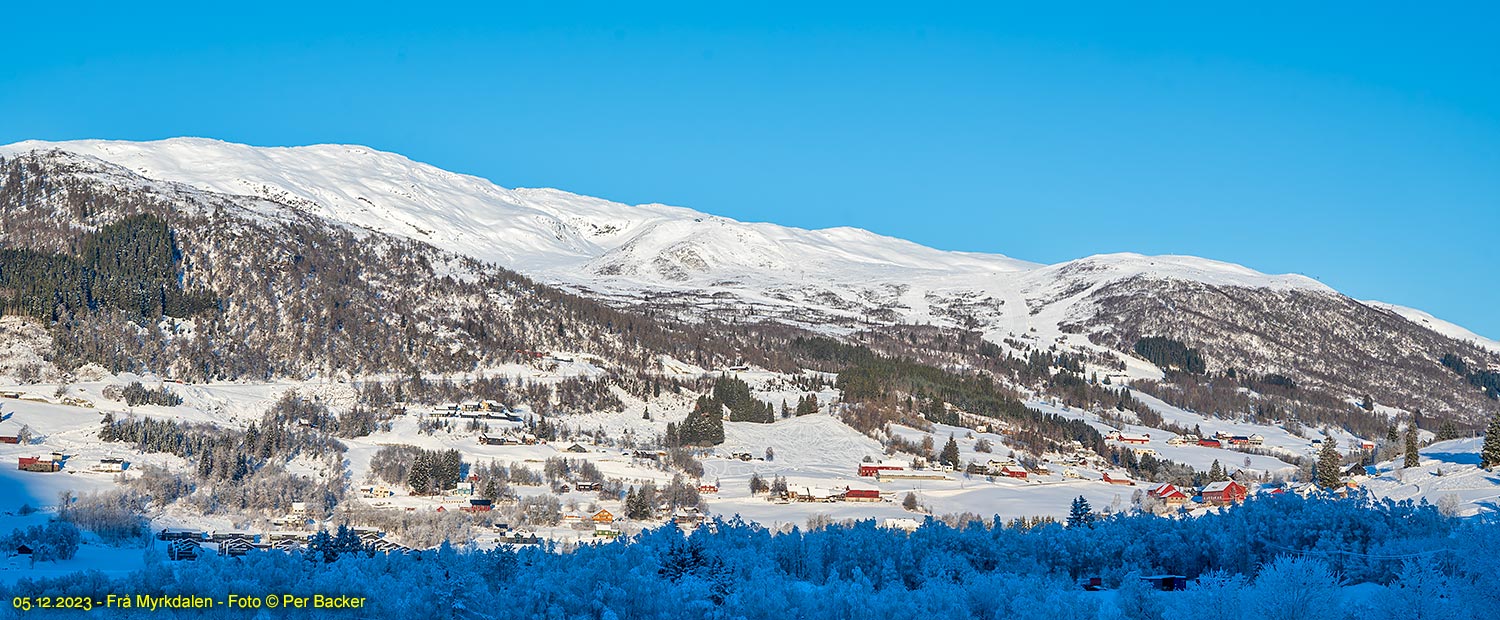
<point>1166,583</point>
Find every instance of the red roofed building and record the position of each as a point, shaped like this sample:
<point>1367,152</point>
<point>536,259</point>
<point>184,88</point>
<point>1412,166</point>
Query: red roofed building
<point>1118,480</point>
<point>874,469</point>
<point>1169,494</point>
<point>1227,492</point>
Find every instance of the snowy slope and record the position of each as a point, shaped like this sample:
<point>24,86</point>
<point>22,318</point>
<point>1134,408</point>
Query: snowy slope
<point>622,250</point>
<point>1438,325</point>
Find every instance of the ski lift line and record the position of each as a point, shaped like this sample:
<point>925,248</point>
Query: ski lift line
<point>1406,556</point>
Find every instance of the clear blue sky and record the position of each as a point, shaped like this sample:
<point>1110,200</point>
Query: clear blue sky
<point>1358,143</point>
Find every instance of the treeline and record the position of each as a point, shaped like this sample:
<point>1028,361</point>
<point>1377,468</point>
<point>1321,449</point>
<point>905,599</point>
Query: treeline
<point>743,406</point>
<point>703,426</point>
<point>873,378</point>
<point>129,265</point>
<point>1484,379</point>
<point>1170,355</point>
<point>137,394</point>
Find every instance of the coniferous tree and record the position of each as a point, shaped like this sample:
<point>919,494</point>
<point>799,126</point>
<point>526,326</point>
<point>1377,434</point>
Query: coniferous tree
<point>1412,457</point>
<point>949,455</point>
<point>1392,435</point>
<point>1081,513</point>
<point>1216,472</point>
<point>1447,431</point>
<point>1329,472</point>
<point>1489,455</point>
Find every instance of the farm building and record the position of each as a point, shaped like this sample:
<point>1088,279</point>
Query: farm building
<point>1227,492</point>
<point>605,530</point>
<point>1169,494</point>
<point>1166,583</point>
<point>37,463</point>
<point>861,495</point>
<point>10,439</point>
<point>874,469</point>
<point>110,465</point>
<point>576,448</point>
<point>708,488</point>
<point>1121,480</point>
<point>812,494</point>
<point>688,517</point>
<point>1210,443</point>
<point>1013,471</point>
<point>1128,438</point>
<point>910,475</point>
<point>603,516</point>
<point>478,504</point>
<point>901,523</point>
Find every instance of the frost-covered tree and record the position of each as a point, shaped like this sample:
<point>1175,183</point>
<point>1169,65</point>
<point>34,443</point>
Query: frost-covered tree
<point>1295,588</point>
<point>1421,591</point>
<point>1081,513</point>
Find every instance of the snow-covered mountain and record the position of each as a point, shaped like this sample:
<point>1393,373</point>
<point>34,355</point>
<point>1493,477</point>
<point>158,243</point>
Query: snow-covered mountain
<point>579,241</point>
<point>694,265</point>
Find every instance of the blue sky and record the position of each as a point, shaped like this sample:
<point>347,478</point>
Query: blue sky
<point>1358,143</point>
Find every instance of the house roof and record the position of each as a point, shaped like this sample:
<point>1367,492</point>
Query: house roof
<point>1219,487</point>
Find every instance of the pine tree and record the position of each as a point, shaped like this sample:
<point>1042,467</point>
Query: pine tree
<point>1081,514</point>
<point>1216,472</point>
<point>950,453</point>
<point>1489,456</point>
<point>1447,431</point>
<point>1329,472</point>
<point>1412,458</point>
<point>418,480</point>
<point>1392,435</point>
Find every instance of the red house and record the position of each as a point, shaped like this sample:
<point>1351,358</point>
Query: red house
<point>862,495</point>
<point>9,439</point>
<point>1210,443</point>
<point>477,504</point>
<point>1227,492</point>
<point>1011,471</point>
<point>1113,480</point>
<point>874,469</point>
<point>1169,494</point>
<point>707,488</point>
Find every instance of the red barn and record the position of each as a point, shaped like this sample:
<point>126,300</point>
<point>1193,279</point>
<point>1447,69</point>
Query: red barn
<point>1210,443</point>
<point>862,495</point>
<point>32,463</point>
<point>1227,492</point>
<point>9,439</point>
<point>1011,471</point>
<point>1113,480</point>
<point>874,469</point>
